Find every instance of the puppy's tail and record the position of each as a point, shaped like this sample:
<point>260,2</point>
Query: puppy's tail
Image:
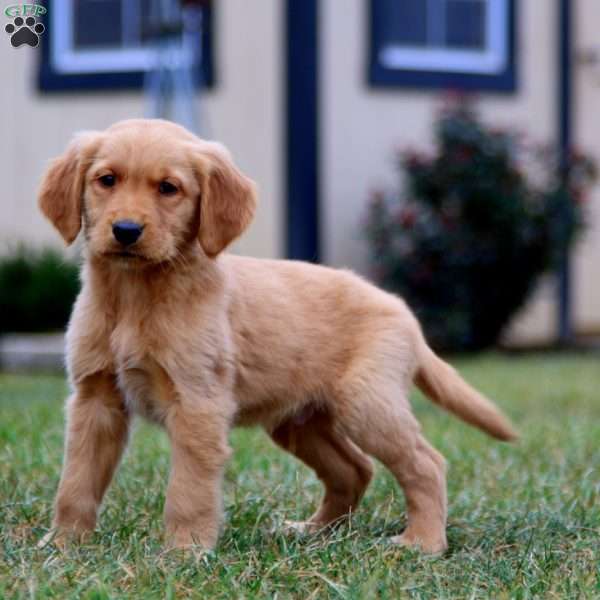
<point>442,384</point>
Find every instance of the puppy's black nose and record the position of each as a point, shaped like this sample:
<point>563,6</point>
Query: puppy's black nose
<point>127,232</point>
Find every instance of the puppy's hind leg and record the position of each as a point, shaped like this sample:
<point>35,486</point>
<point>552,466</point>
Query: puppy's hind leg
<point>344,470</point>
<point>377,417</point>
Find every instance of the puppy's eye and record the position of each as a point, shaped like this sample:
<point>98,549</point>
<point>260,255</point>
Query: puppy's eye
<point>167,189</point>
<point>107,180</point>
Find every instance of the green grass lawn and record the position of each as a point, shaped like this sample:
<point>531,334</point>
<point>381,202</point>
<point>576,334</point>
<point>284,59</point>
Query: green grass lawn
<point>524,519</point>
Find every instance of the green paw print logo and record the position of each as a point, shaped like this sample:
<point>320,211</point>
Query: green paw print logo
<point>24,29</point>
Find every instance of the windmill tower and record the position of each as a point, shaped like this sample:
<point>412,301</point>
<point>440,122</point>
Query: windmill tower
<point>174,82</point>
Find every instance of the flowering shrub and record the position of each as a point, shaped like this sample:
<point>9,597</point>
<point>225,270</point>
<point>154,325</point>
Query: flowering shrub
<point>474,227</point>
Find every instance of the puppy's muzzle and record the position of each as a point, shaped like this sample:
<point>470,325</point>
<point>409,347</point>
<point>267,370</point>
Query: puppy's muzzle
<point>127,232</point>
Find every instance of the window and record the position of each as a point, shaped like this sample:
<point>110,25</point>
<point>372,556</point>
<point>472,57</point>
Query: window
<point>103,44</point>
<point>466,44</point>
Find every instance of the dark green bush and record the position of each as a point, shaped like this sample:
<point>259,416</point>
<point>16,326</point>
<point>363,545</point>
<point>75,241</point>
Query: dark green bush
<point>37,290</point>
<point>466,239</point>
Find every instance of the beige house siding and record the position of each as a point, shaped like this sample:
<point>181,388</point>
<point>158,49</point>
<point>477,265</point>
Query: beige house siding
<point>242,111</point>
<point>587,135</point>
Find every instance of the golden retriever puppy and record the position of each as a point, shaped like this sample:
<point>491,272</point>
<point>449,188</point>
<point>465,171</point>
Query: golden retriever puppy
<point>169,327</point>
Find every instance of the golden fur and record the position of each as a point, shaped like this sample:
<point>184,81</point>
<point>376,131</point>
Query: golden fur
<point>199,341</point>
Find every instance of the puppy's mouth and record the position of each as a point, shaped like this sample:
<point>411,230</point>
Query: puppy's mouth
<point>126,255</point>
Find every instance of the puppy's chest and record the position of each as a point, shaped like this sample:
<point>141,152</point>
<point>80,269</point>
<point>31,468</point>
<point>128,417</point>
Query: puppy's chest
<point>146,386</point>
<point>154,366</point>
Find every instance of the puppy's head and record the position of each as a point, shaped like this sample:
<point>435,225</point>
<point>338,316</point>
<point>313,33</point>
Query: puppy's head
<point>145,190</point>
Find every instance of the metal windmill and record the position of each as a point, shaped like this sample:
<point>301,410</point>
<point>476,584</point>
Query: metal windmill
<point>174,29</point>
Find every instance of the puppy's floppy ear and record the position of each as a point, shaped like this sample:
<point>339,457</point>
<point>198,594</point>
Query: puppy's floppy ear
<point>228,197</point>
<point>62,186</point>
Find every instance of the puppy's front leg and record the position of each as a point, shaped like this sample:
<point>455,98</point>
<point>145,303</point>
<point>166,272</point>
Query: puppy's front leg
<point>97,428</point>
<point>199,452</point>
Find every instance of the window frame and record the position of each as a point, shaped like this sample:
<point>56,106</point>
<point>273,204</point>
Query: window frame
<point>53,79</point>
<point>455,74</point>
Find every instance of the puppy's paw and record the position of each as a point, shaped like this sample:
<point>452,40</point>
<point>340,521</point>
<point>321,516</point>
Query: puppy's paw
<point>431,546</point>
<point>185,551</point>
<point>302,527</point>
<point>186,540</point>
<point>63,537</point>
